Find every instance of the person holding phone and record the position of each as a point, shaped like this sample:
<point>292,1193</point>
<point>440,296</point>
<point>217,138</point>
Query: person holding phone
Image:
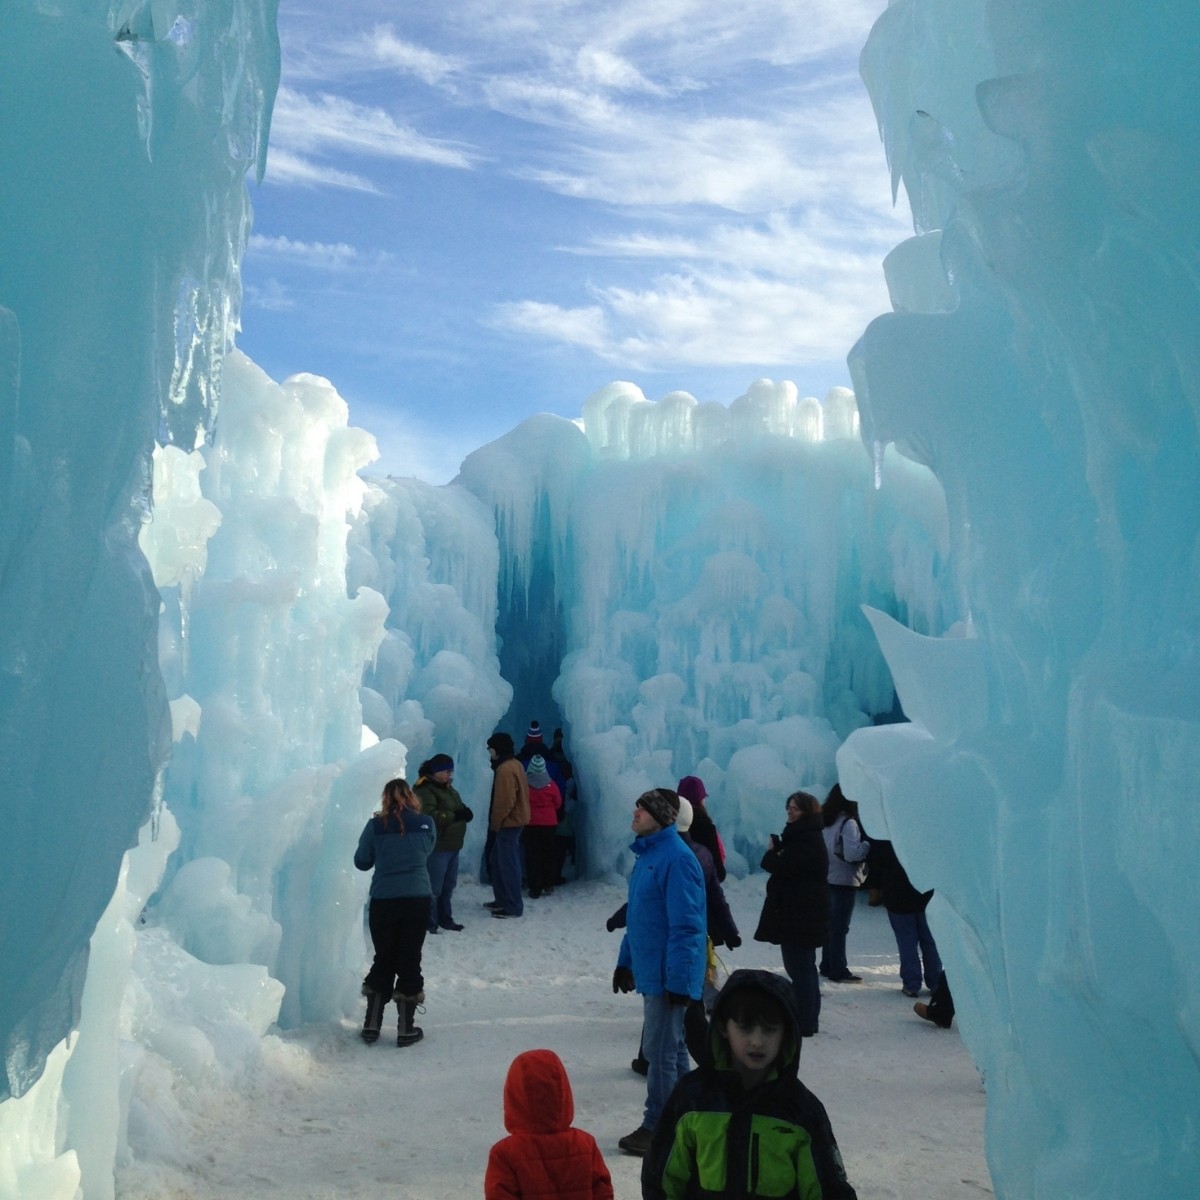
<point>795,913</point>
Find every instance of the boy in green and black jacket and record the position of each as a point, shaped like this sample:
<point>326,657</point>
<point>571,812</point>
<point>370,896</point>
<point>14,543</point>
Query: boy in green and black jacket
<point>743,1125</point>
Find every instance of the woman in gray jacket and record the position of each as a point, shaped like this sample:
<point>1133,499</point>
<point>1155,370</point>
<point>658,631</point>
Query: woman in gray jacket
<point>396,844</point>
<point>848,849</point>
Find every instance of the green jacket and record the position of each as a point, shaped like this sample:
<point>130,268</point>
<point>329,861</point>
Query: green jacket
<point>449,813</point>
<point>714,1139</point>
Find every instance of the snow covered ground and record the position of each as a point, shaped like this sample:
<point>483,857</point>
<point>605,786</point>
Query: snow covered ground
<point>325,1117</point>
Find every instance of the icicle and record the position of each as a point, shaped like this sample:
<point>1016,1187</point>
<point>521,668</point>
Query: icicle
<point>878,449</point>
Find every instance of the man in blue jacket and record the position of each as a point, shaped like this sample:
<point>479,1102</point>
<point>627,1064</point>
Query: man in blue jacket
<point>662,954</point>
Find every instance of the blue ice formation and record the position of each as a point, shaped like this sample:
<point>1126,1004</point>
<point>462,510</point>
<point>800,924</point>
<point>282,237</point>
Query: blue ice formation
<point>683,584</point>
<point>125,213</point>
<point>1044,360</point>
<point>125,137</point>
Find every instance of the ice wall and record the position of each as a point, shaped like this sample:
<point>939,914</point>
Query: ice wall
<point>699,570</point>
<point>1043,359</point>
<point>435,683</point>
<point>126,131</point>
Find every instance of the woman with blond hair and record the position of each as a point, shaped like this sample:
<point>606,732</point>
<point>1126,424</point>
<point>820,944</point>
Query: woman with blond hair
<point>396,843</point>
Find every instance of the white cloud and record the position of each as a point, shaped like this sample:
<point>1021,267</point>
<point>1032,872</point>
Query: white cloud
<point>331,124</point>
<point>286,169</point>
<point>324,255</point>
<point>381,47</point>
<point>603,68</point>
<point>271,296</point>
<point>585,327</point>
<point>772,294</point>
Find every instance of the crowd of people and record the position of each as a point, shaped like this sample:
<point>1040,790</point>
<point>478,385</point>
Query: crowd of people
<point>743,1113</point>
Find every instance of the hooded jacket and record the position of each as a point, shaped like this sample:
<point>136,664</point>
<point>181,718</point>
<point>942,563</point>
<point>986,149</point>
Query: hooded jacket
<point>796,908</point>
<point>544,1157</point>
<point>715,1139</point>
<point>666,920</point>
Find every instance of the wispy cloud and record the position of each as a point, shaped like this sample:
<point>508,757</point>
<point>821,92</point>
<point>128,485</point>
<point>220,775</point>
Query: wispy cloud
<point>329,124</point>
<point>288,169</point>
<point>322,255</point>
<point>270,296</point>
<point>781,291</point>
<point>382,49</point>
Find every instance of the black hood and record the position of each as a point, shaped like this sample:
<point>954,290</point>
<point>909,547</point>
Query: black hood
<point>780,989</point>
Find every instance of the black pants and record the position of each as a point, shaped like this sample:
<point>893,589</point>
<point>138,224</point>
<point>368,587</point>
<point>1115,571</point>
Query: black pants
<point>398,932</point>
<point>941,1004</point>
<point>540,866</point>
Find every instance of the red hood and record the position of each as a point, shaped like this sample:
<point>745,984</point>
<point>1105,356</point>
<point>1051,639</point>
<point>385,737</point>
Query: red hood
<point>537,1094</point>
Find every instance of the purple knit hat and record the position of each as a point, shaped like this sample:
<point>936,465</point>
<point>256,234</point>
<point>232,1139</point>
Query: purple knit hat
<point>691,787</point>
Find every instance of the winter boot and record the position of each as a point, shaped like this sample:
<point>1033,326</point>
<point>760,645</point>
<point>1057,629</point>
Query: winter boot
<point>407,1033</point>
<point>376,1003</point>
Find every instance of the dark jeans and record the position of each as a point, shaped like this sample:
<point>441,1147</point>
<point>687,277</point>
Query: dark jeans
<point>506,871</point>
<point>398,930</point>
<point>841,909</point>
<point>800,962</point>
<point>917,949</point>
<point>443,876</point>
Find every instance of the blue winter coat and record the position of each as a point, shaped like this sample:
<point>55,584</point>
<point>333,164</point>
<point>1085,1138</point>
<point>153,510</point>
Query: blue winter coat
<point>400,859</point>
<point>666,922</point>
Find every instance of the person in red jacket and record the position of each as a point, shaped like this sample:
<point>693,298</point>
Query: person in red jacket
<point>545,808</point>
<point>544,1156</point>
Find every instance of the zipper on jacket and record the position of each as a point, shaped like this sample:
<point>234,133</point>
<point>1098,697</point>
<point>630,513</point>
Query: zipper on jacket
<point>754,1164</point>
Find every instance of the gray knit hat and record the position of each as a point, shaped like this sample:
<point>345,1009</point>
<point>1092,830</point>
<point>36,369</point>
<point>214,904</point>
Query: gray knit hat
<point>662,804</point>
<point>536,771</point>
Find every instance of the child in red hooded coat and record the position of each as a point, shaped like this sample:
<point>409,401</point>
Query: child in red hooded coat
<point>544,1157</point>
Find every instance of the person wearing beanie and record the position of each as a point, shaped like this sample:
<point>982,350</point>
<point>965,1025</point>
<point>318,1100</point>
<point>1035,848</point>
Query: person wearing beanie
<point>692,789</point>
<point>508,815</point>
<point>663,952</point>
<point>441,801</point>
<point>545,809</point>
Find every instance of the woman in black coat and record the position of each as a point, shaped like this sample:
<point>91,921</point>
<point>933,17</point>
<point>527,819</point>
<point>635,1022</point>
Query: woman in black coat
<point>795,914</point>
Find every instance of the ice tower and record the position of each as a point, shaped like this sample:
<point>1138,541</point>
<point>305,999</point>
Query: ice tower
<point>1044,359</point>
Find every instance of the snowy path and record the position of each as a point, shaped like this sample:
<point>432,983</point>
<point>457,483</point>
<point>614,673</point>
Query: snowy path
<point>328,1118</point>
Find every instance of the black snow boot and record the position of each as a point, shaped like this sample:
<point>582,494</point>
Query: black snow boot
<point>408,1034</point>
<point>376,1003</point>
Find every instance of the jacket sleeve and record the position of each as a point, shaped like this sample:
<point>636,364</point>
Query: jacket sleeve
<point>500,1181</point>
<point>687,926</point>
<point>602,1188</point>
<point>855,847</point>
<point>364,856</point>
<point>722,927</point>
<point>505,797</point>
<point>667,1170</point>
<point>624,955</point>
<point>827,1158</point>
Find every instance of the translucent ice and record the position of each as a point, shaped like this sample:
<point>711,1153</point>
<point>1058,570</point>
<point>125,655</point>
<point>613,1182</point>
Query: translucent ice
<point>1043,360</point>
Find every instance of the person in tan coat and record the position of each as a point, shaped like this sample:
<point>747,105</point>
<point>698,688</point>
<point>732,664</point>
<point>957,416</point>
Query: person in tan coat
<point>507,817</point>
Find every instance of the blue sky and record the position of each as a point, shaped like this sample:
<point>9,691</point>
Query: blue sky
<point>478,211</point>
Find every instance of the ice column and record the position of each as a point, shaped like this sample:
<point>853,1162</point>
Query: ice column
<point>1043,359</point>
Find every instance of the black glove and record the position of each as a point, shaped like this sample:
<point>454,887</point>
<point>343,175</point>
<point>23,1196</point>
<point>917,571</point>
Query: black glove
<point>677,999</point>
<point>617,920</point>
<point>466,814</point>
<point>733,941</point>
<point>622,980</point>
